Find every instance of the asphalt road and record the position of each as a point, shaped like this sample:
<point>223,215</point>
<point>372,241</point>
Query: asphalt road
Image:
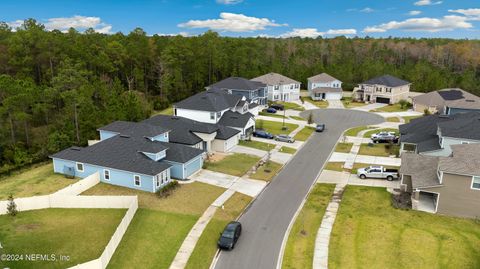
<point>266,221</point>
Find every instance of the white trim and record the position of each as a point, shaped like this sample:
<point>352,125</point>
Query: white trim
<point>139,180</point>
<point>104,171</point>
<point>76,167</point>
<point>471,185</point>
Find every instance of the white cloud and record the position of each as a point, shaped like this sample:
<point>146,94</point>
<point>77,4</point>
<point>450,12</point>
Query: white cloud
<point>229,2</point>
<point>313,32</point>
<point>414,12</point>
<point>367,10</point>
<point>427,3</point>
<point>78,22</point>
<point>184,34</point>
<point>15,24</point>
<point>472,14</point>
<point>447,23</point>
<point>232,22</point>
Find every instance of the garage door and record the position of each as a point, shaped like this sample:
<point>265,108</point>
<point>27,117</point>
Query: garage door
<point>383,100</point>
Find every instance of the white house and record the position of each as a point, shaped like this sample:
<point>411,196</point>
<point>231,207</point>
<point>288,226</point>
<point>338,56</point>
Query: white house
<point>324,87</point>
<point>280,87</point>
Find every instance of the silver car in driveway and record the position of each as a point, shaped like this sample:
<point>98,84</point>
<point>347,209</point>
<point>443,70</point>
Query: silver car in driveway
<point>284,138</point>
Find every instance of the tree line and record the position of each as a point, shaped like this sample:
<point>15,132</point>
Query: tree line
<point>57,88</point>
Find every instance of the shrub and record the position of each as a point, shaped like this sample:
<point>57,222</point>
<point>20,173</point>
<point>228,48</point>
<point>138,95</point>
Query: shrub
<point>426,112</point>
<point>168,189</point>
<point>12,206</point>
<point>310,118</point>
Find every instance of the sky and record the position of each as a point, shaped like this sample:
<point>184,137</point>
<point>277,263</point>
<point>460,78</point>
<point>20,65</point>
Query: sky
<point>269,18</point>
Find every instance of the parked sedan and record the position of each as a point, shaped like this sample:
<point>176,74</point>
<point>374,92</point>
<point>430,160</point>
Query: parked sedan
<point>320,128</point>
<point>277,107</point>
<point>263,134</point>
<point>384,137</point>
<point>284,138</point>
<point>271,110</point>
<point>230,235</point>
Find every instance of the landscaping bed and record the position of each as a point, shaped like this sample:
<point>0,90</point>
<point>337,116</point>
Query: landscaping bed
<point>81,234</point>
<point>236,164</point>
<point>256,144</point>
<point>370,233</point>
<point>275,127</point>
<point>304,134</point>
<point>300,246</point>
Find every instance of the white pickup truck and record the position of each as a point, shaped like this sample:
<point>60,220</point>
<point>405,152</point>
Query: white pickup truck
<point>377,172</point>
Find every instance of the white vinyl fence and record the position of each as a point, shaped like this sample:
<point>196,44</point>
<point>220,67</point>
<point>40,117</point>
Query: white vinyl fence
<point>68,198</point>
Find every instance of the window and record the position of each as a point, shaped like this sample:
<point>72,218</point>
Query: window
<point>465,142</point>
<point>136,180</point>
<point>388,89</point>
<point>80,167</point>
<point>219,114</point>
<point>106,174</point>
<point>157,181</point>
<point>212,115</point>
<point>476,183</point>
<point>291,87</point>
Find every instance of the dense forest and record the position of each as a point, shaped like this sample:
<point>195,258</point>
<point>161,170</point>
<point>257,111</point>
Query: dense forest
<point>57,88</point>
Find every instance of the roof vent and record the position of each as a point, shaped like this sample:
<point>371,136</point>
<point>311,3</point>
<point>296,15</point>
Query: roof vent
<point>470,100</point>
<point>124,136</point>
<point>76,148</point>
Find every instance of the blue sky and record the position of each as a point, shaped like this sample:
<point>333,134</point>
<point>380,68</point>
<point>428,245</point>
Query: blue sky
<point>275,18</point>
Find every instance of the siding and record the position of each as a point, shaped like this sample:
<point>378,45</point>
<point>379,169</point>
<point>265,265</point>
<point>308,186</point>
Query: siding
<point>183,171</point>
<point>193,166</point>
<point>117,177</point>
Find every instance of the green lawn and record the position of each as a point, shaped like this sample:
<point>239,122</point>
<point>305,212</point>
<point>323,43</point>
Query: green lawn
<point>294,106</point>
<point>38,180</point>
<point>304,134</point>
<point>301,240</point>
<point>267,171</point>
<point>206,247</point>
<point>343,147</point>
<point>370,133</point>
<point>320,103</point>
<point>382,150</point>
<point>298,118</point>
<point>287,150</point>
<point>275,115</point>
<point>393,119</point>
<point>355,130</point>
<point>348,103</point>
<point>370,233</point>
<point>257,145</point>
<point>392,108</point>
<point>409,118</point>
<point>335,166</point>
<point>363,165</point>
<point>275,127</point>
<point>81,234</point>
<point>166,111</point>
<point>236,164</point>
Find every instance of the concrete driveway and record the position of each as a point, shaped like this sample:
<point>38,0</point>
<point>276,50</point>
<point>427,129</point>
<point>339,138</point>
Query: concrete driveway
<point>250,187</point>
<point>294,145</point>
<point>266,221</point>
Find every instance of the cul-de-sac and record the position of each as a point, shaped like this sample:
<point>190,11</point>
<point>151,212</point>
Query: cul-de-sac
<point>228,134</point>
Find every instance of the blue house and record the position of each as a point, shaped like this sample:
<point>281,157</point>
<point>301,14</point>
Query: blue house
<point>253,91</point>
<point>133,155</point>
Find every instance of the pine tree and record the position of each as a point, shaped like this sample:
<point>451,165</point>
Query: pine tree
<point>12,206</point>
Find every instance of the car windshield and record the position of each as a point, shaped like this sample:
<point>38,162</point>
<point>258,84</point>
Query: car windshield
<point>228,234</point>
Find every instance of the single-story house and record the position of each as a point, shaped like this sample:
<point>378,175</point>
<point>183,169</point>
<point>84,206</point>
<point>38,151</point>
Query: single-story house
<point>445,185</point>
<point>280,87</point>
<point>133,155</point>
<point>324,87</point>
<point>384,89</point>
<point>447,101</point>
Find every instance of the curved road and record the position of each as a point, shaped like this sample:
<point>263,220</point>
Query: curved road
<point>266,221</point>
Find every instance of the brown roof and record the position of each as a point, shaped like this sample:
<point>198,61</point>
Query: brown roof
<point>326,90</point>
<point>323,78</point>
<point>465,160</point>
<point>422,169</point>
<point>454,97</point>
<point>275,79</point>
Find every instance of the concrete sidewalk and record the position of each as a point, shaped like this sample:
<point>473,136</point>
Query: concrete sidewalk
<point>344,157</point>
<point>247,186</point>
<point>369,107</point>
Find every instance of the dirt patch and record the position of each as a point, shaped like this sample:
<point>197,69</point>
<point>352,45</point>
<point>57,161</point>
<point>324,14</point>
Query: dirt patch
<point>402,200</point>
<point>216,157</point>
<point>28,227</point>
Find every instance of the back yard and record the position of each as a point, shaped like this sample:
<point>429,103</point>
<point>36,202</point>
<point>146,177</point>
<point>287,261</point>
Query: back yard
<point>81,234</point>
<point>370,233</point>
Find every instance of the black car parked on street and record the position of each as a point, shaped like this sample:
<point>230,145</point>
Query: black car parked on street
<point>230,235</point>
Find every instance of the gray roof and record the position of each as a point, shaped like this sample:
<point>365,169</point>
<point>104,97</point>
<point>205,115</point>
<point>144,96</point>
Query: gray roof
<point>119,152</point>
<point>422,132</point>
<point>275,79</point>
<point>209,100</point>
<point>235,119</point>
<point>465,160</point>
<point>386,80</point>
<point>421,168</point>
<point>237,83</point>
<point>182,129</point>
<point>134,128</point>
<point>326,90</point>
<point>322,78</point>
<point>462,125</point>
<point>455,98</point>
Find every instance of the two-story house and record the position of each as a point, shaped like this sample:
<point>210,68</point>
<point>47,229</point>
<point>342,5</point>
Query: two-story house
<point>446,101</point>
<point>384,89</point>
<point>219,107</point>
<point>280,87</point>
<point>132,155</point>
<point>324,87</point>
<point>253,91</point>
<point>446,185</point>
<point>435,134</point>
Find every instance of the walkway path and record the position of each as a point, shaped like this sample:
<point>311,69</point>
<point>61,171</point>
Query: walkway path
<point>189,243</point>
<point>335,104</point>
<point>320,256</point>
<point>247,186</point>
